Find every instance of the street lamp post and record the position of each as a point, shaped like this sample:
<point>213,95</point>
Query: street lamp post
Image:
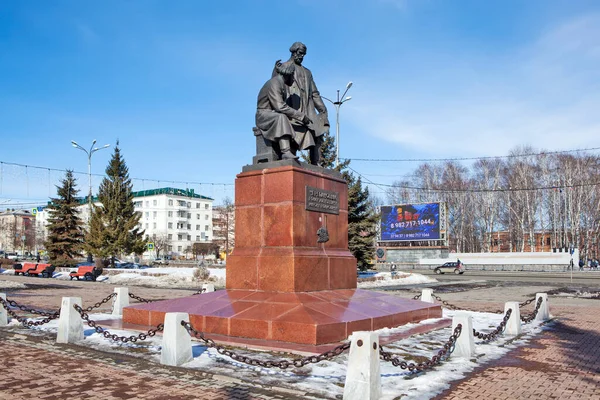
<point>89,153</point>
<point>338,103</point>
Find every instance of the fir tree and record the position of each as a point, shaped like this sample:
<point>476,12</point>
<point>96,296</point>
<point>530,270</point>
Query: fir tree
<point>362,218</point>
<point>362,222</point>
<point>114,224</point>
<point>65,232</point>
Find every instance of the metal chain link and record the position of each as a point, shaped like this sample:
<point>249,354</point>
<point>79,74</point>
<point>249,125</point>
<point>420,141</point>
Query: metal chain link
<point>13,303</point>
<point>98,304</point>
<point>526,302</point>
<point>417,296</point>
<point>24,321</point>
<point>453,307</point>
<point>281,363</point>
<point>445,303</point>
<point>138,298</point>
<point>200,291</point>
<point>115,337</point>
<point>500,328</point>
<point>441,354</point>
<point>532,316</point>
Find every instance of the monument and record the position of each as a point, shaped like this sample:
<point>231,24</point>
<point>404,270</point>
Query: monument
<point>291,277</point>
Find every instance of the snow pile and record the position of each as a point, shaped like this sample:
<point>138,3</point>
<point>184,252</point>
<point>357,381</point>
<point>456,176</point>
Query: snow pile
<point>164,277</point>
<point>393,278</point>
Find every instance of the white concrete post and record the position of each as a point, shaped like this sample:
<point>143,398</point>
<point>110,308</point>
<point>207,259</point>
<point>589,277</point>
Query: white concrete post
<point>70,324</point>
<point>544,311</point>
<point>513,326</point>
<point>3,313</point>
<point>427,295</point>
<point>465,344</point>
<point>120,300</point>
<point>363,377</point>
<point>177,342</point>
<point>208,287</point>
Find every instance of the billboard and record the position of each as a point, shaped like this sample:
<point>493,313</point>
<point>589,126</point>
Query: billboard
<point>406,222</point>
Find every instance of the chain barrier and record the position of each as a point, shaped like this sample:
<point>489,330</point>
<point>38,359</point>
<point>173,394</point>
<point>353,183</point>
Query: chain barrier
<point>532,316</point>
<point>24,321</point>
<point>98,304</point>
<point>500,328</point>
<point>456,308</point>
<point>417,296</point>
<point>200,291</point>
<point>113,336</point>
<point>138,298</point>
<point>13,303</point>
<point>442,354</point>
<point>526,302</point>
<point>281,363</point>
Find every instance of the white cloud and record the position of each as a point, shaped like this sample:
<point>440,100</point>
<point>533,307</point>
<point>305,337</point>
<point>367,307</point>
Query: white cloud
<point>544,94</point>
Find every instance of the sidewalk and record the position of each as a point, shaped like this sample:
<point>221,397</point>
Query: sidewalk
<point>562,363</point>
<point>34,367</point>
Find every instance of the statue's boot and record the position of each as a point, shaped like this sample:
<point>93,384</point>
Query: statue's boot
<point>286,153</point>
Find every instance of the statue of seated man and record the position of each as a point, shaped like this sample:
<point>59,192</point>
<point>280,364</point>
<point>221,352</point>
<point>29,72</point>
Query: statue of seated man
<point>274,117</point>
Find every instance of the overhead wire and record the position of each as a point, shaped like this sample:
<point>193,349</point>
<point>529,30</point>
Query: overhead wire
<point>470,158</point>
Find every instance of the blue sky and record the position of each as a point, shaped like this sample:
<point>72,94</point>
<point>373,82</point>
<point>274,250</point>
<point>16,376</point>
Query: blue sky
<point>176,83</point>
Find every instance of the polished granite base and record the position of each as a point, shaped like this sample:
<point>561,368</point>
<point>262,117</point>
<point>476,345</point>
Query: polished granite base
<point>312,318</point>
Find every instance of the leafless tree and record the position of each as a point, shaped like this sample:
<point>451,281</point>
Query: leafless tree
<point>224,225</point>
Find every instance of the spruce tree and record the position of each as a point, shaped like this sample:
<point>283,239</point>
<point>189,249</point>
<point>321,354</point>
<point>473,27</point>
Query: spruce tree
<point>114,225</point>
<point>362,222</point>
<point>362,218</point>
<point>65,231</point>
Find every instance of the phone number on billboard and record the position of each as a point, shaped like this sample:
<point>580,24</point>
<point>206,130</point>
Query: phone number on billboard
<point>408,224</point>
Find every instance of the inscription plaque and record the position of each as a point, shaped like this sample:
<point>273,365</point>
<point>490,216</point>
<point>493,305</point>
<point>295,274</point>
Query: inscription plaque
<point>320,200</point>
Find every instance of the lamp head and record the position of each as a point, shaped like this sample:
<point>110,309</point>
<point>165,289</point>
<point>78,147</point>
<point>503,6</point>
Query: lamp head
<point>349,85</point>
<point>348,98</point>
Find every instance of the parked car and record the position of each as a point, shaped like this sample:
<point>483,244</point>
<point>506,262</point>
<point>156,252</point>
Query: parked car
<point>130,265</point>
<point>452,266</point>
<point>160,261</point>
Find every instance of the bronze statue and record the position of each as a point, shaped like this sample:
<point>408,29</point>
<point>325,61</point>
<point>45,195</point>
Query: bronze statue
<point>304,128</point>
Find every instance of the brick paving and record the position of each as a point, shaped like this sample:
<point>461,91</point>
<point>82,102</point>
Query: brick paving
<point>561,363</point>
<point>34,367</point>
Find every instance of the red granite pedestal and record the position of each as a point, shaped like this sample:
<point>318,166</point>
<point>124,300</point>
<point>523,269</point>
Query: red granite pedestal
<point>282,284</point>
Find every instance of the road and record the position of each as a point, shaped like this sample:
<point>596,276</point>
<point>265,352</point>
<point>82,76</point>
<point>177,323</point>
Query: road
<point>585,278</point>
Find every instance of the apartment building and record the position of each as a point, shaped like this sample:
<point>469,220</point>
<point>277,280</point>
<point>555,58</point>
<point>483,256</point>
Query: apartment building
<point>174,218</point>
<point>177,217</point>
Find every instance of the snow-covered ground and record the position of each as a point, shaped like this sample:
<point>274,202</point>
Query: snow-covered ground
<point>157,277</point>
<point>184,277</point>
<point>327,377</point>
<point>393,278</point>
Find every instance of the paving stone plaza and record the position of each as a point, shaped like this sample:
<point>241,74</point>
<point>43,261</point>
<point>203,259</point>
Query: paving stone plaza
<point>559,363</point>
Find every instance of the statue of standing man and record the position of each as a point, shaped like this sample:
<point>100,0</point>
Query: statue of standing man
<point>304,97</point>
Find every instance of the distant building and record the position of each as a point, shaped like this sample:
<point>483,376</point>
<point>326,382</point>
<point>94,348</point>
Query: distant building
<point>173,219</point>
<point>17,231</point>
<point>177,218</point>
<point>501,242</point>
